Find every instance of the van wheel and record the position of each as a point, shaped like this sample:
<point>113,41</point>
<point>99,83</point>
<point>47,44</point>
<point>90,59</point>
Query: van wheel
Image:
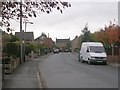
<point>89,62</point>
<point>82,61</point>
<point>78,58</point>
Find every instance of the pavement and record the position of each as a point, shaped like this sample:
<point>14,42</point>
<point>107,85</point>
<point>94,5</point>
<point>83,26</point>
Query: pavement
<point>25,76</point>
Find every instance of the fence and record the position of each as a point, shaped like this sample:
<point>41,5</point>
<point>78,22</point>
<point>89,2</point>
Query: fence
<point>115,58</point>
<point>9,64</point>
<point>116,50</point>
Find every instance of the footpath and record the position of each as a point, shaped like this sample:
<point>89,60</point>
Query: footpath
<point>26,75</point>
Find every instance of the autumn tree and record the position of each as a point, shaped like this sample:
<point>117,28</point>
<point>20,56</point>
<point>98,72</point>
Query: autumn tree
<point>109,35</point>
<point>112,32</point>
<point>28,8</point>
<point>102,36</point>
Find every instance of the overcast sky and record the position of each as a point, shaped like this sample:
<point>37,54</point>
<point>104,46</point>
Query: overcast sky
<point>72,21</point>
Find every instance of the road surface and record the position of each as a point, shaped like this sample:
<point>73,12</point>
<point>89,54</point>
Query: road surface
<point>63,70</point>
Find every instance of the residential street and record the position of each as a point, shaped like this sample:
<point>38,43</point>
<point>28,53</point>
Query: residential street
<point>63,70</point>
<point>40,41</point>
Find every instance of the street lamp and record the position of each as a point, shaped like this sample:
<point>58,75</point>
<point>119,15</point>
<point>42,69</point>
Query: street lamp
<point>26,24</point>
<point>24,36</point>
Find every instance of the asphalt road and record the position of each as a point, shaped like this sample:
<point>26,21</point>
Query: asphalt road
<point>63,70</point>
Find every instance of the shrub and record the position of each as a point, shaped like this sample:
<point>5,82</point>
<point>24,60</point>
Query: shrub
<point>12,49</point>
<point>27,49</point>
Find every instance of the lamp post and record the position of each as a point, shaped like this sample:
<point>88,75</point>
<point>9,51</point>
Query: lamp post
<point>24,36</point>
<point>26,24</point>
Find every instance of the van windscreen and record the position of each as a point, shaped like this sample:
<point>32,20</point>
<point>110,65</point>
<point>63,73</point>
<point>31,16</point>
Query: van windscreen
<point>97,49</point>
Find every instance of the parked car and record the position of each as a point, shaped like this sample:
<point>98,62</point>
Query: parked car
<point>66,50</point>
<point>92,52</point>
<point>56,50</point>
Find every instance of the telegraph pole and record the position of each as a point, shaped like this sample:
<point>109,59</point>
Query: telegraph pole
<point>21,33</point>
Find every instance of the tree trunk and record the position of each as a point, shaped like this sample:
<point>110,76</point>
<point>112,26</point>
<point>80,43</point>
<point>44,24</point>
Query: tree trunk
<point>112,49</point>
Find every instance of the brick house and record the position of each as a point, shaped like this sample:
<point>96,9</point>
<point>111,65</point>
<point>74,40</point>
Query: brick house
<point>43,39</point>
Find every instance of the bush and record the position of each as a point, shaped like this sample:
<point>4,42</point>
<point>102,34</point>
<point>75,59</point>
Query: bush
<point>42,51</point>
<point>12,49</point>
<point>27,49</point>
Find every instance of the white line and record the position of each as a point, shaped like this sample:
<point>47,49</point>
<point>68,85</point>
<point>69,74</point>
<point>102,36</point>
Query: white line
<point>38,77</point>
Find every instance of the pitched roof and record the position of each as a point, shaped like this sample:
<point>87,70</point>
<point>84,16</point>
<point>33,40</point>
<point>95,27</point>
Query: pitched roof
<point>50,40</point>
<point>40,37</point>
<point>62,40</point>
<point>25,35</point>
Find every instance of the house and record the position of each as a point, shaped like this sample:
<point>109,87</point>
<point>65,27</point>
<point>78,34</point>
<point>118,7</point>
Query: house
<point>27,36</point>
<point>63,44</point>
<point>75,44</point>
<point>50,43</point>
<point>43,39</point>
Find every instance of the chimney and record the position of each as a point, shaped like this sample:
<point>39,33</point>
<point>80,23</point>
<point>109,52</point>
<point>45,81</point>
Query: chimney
<point>48,35</point>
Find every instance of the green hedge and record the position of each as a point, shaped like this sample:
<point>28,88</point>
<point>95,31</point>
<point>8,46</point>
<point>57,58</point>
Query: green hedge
<point>12,49</point>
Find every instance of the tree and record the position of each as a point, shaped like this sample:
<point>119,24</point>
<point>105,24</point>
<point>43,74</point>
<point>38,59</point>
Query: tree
<point>94,37</point>
<point>102,36</point>
<point>8,38</point>
<point>14,38</point>
<point>30,8</point>
<point>109,36</point>
<point>112,32</point>
<point>86,34</point>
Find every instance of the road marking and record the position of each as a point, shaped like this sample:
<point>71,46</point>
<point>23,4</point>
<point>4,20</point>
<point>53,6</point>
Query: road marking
<point>39,80</point>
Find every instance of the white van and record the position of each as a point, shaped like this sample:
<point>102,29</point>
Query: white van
<point>92,52</point>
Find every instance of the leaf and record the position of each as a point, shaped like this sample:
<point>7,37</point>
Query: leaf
<point>48,12</point>
<point>61,11</point>
<point>69,5</point>
<point>8,29</point>
<point>34,14</point>
<point>58,8</point>
<point>29,15</point>
<point>11,10</point>
<point>8,25</point>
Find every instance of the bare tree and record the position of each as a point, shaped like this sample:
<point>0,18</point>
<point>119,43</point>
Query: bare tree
<point>30,8</point>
